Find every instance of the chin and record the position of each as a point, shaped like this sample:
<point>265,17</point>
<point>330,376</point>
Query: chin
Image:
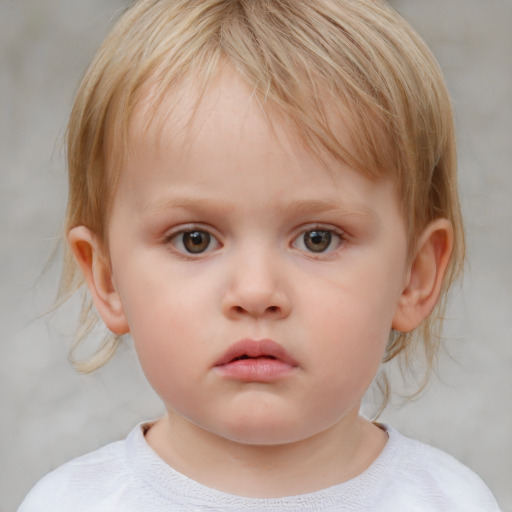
<point>264,431</point>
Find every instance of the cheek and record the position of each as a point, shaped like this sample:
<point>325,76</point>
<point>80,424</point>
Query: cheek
<point>167,336</point>
<point>350,328</point>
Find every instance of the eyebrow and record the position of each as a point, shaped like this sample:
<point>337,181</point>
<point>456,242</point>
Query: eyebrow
<point>186,203</point>
<point>292,208</point>
<point>315,206</point>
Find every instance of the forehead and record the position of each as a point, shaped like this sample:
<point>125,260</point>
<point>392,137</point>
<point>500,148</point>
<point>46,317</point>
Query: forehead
<point>229,107</point>
<point>183,115</point>
<point>226,141</point>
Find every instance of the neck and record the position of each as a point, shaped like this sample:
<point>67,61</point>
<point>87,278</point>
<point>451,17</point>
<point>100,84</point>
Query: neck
<point>331,457</point>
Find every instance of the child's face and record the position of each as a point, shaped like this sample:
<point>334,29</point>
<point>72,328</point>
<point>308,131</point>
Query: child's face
<point>225,234</point>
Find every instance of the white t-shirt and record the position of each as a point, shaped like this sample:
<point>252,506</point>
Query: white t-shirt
<point>128,476</point>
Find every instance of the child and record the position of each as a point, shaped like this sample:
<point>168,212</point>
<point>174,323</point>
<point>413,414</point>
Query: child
<point>263,194</point>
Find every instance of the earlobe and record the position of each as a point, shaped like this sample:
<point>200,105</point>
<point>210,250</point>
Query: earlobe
<point>425,278</point>
<point>95,266</point>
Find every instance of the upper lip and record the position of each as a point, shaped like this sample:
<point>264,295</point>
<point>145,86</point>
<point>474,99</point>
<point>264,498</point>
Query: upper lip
<point>253,349</point>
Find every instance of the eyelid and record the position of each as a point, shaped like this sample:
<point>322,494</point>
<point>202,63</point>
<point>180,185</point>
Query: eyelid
<point>320,227</point>
<point>190,226</point>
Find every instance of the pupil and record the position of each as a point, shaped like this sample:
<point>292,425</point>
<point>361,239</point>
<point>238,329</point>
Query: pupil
<point>196,241</point>
<point>318,240</point>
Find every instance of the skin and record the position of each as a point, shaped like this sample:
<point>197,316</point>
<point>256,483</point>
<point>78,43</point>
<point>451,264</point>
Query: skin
<point>258,194</point>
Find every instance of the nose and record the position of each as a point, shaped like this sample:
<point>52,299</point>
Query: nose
<point>256,288</point>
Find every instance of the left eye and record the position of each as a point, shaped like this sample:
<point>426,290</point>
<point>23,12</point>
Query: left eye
<point>195,241</point>
<point>318,241</point>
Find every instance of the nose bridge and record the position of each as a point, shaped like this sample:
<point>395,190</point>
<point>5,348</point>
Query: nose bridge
<point>257,282</point>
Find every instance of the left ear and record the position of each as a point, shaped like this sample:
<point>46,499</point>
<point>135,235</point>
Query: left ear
<point>425,276</point>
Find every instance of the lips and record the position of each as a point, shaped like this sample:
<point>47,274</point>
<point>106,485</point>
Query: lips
<point>255,360</point>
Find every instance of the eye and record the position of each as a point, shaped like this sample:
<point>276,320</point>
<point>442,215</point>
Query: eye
<point>318,241</point>
<point>194,241</point>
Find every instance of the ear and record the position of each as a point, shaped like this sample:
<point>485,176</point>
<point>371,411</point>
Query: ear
<point>97,271</point>
<point>425,276</point>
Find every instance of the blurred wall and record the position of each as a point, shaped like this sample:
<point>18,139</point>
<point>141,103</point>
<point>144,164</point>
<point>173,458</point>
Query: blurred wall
<point>50,414</point>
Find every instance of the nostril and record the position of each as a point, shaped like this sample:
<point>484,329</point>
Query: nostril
<point>269,309</point>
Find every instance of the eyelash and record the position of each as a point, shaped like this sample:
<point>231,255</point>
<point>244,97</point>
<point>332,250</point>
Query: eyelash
<point>324,236</point>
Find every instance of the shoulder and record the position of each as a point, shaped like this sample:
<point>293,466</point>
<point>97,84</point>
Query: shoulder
<point>439,478</point>
<point>81,482</point>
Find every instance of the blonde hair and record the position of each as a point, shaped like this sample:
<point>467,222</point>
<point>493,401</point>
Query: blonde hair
<point>315,61</point>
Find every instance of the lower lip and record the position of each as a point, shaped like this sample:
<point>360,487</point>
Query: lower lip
<point>260,369</point>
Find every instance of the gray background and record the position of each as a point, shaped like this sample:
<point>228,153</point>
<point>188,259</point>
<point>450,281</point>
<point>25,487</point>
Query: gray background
<point>49,413</point>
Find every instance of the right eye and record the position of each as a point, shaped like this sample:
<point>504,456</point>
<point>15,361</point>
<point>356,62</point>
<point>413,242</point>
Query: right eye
<point>194,241</point>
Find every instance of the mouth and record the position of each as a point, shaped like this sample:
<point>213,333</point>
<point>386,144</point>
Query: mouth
<point>255,361</point>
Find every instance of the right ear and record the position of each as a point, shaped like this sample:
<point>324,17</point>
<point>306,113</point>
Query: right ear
<point>97,271</point>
